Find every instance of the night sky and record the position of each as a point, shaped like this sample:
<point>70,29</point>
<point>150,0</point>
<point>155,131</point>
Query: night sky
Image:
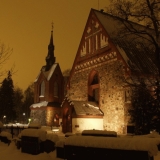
<point>25,26</point>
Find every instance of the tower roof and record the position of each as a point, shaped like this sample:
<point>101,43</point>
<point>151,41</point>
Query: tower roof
<point>50,59</point>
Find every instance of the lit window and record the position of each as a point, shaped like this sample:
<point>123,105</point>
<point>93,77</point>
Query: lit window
<point>42,89</point>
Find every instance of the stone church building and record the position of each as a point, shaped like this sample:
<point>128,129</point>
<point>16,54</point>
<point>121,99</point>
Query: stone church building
<point>103,63</point>
<point>97,95</point>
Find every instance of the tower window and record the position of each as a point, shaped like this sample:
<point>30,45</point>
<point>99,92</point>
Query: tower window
<point>42,89</point>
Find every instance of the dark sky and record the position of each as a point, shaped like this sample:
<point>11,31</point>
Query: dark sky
<point>26,27</point>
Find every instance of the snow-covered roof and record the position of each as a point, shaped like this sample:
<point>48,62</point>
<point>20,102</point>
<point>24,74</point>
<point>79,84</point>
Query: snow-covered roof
<point>48,74</point>
<point>39,105</point>
<point>86,108</point>
<point>51,71</point>
<point>133,52</point>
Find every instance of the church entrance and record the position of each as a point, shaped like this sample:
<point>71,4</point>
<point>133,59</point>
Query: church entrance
<point>67,121</point>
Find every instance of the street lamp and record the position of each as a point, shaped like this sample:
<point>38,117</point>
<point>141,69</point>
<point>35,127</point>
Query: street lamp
<point>24,117</point>
<point>4,119</point>
<point>29,120</point>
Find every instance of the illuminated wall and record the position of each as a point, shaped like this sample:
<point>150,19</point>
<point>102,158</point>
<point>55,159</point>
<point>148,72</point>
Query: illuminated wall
<point>80,124</point>
<point>111,94</point>
<point>45,116</point>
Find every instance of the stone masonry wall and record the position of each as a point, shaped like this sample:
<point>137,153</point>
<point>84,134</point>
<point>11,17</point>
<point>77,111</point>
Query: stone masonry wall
<point>111,94</point>
<point>44,116</point>
<point>38,116</point>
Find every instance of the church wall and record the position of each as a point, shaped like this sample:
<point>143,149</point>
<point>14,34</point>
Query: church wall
<point>79,88</point>
<point>44,116</point>
<point>58,78</point>
<point>38,116</point>
<point>80,124</point>
<point>111,93</point>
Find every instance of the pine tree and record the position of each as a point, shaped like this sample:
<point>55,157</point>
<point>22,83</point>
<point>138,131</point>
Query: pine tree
<point>155,121</point>
<point>18,100</point>
<point>28,100</point>
<point>141,112</point>
<point>7,98</point>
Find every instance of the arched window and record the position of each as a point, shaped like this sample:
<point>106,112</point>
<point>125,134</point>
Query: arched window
<point>95,79</point>
<point>55,89</point>
<point>93,87</point>
<point>42,89</point>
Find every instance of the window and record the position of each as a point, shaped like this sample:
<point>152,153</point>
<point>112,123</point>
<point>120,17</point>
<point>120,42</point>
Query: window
<point>42,89</point>
<point>95,79</point>
<point>93,87</point>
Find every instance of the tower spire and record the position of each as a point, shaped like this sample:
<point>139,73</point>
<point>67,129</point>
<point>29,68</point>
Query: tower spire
<point>50,59</point>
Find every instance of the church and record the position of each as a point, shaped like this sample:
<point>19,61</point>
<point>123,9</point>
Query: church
<point>97,95</point>
<point>48,91</point>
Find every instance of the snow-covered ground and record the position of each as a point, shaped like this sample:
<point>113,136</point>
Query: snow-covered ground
<point>11,152</point>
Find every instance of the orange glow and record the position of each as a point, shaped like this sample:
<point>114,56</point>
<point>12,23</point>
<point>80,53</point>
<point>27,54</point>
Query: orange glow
<point>26,26</point>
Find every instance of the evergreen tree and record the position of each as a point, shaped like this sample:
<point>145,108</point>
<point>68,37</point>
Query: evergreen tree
<point>142,108</point>
<point>28,100</point>
<point>155,122</point>
<point>18,100</point>
<point>7,98</point>
<point>145,12</point>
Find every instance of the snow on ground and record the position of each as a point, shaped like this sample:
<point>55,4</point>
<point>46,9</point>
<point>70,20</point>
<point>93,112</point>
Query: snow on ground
<point>11,152</point>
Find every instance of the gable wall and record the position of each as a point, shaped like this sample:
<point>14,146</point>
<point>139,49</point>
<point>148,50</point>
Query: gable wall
<point>111,95</point>
<point>49,87</point>
<point>56,77</point>
<point>97,52</point>
<point>37,84</point>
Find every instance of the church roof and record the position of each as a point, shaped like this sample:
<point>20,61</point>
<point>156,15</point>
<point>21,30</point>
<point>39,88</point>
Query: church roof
<point>134,52</point>
<point>39,105</point>
<point>45,104</point>
<point>136,55</point>
<point>48,74</point>
<point>87,108</point>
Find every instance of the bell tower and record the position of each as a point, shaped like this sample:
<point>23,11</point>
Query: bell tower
<point>50,59</point>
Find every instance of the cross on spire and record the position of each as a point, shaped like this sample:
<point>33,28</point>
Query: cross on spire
<point>52,25</point>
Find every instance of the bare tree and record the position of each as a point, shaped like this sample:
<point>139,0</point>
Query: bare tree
<point>144,12</point>
<point>140,22</point>
<point>5,53</point>
<point>66,72</point>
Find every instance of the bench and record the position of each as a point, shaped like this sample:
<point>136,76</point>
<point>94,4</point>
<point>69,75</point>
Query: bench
<point>60,149</point>
<point>99,133</point>
<point>90,153</point>
<point>109,148</point>
<point>5,137</point>
<point>30,145</point>
<point>32,141</point>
